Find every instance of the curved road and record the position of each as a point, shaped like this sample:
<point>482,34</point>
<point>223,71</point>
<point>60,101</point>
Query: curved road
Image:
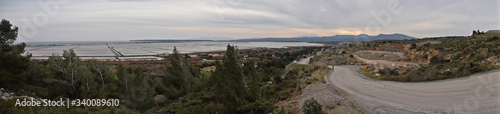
<point>478,93</point>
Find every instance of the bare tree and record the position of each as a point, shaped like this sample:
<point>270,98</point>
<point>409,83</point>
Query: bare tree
<point>69,65</point>
<point>98,68</point>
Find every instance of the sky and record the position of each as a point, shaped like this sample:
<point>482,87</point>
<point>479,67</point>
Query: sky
<point>116,20</point>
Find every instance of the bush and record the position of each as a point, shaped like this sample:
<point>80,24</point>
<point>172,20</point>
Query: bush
<point>311,106</point>
<point>436,59</point>
<point>492,39</point>
<point>413,46</point>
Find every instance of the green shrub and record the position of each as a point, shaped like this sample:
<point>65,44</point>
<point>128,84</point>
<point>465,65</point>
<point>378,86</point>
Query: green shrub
<point>311,106</point>
<point>413,46</point>
<point>492,39</point>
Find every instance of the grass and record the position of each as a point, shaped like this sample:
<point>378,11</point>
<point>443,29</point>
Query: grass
<point>206,74</point>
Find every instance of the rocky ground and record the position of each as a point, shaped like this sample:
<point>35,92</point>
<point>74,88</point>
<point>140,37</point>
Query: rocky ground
<point>329,98</point>
<point>5,95</point>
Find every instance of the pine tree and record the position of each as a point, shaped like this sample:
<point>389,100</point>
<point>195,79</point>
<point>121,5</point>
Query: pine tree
<point>180,76</point>
<point>100,70</point>
<point>231,85</point>
<point>254,79</point>
<point>413,46</point>
<point>12,62</point>
<point>140,92</point>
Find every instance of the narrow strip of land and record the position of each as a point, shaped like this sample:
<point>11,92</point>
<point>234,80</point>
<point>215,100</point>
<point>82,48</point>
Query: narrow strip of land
<point>478,93</point>
<point>117,53</point>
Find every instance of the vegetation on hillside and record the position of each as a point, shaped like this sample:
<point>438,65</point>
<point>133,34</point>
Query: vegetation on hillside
<point>236,86</point>
<point>450,57</point>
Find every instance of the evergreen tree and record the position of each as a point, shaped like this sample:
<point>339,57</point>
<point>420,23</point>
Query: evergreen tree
<point>254,80</point>
<point>100,70</point>
<point>140,92</point>
<point>102,78</point>
<point>413,46</point>
<point>180,76</point>
<point>88,85</point>
<point>230,82</point>
<point>12,62</point>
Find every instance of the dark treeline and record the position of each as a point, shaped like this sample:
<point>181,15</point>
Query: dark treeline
<point>234,87</point>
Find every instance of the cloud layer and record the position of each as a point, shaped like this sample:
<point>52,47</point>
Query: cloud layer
<point>67,20</point>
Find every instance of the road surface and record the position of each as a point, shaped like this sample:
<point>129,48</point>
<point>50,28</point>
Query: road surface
<point>478,93</point>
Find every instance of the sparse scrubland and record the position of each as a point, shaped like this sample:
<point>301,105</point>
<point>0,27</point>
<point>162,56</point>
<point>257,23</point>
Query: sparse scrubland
<point>439,57</point>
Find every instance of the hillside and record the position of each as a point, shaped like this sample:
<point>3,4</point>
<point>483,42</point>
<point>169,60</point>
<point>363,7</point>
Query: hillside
<point>418,60</point>
<point>439,58</point>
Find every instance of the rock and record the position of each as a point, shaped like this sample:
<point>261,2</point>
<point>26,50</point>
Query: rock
<point>159,98</point>
<point>4,98</point>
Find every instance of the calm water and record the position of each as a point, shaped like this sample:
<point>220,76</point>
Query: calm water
<point>131,48</point>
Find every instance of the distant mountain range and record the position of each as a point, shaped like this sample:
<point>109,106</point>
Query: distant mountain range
<point>336,38</point>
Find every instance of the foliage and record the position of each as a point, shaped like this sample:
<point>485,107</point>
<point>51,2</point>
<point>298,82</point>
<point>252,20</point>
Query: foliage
<point>492,39</point>
<point>180,76</point>
<point>12,62</point>
<point>236,86</point>
<point>457,56</point>
<point>413,46</point>
<point>311,106</point>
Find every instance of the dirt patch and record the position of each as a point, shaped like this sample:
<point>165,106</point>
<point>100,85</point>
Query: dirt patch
<point>493,31</point>
<point>382,55</point>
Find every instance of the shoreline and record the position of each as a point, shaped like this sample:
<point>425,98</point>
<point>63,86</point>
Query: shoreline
<point>159,56</point>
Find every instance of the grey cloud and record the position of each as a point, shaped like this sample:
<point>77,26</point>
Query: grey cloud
<point>182,19</point>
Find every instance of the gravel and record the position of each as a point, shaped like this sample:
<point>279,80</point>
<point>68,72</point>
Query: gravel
<point>328,97</point>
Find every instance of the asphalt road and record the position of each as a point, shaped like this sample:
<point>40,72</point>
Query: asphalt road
<point>478,93</point>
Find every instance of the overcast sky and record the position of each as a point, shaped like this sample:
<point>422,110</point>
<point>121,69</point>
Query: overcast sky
<point>111,20</point>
